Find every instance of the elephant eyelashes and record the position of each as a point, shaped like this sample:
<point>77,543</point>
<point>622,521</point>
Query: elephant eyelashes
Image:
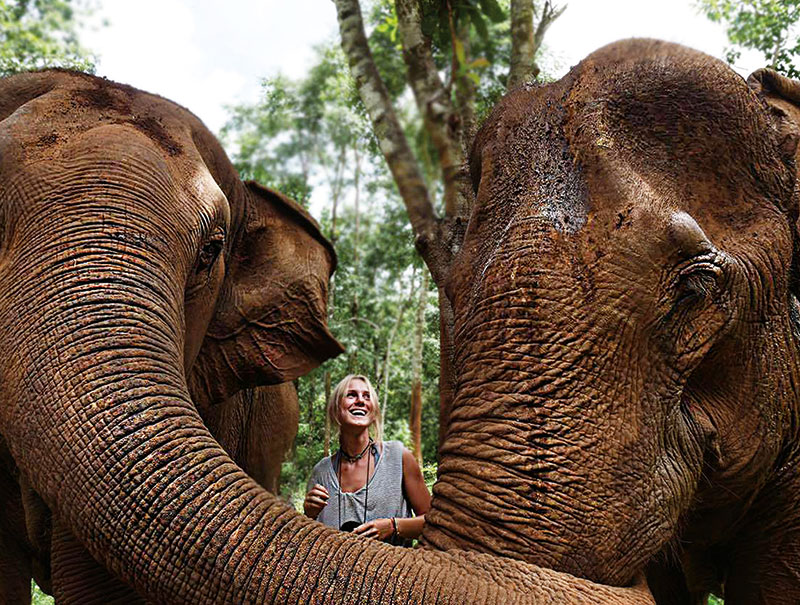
<point>696,284</point>
<point>209,253</point>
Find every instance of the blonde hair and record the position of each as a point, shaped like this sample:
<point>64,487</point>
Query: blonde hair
<point>376,428</point>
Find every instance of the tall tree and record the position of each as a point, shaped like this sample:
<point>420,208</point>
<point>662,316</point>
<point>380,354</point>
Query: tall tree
<point>415,417</point>
<point>767,26</point>
<point>35,34</point>
<point>313,136</point>
<point>430,33</point>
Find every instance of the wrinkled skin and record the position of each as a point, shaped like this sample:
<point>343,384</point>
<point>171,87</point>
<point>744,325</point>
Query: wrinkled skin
<point>143,283</point>
<point>255,427</point>
<point>250,294</point>
<point>627,333</point>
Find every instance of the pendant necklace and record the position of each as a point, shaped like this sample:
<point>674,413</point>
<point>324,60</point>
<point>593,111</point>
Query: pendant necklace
<point>355,458</point>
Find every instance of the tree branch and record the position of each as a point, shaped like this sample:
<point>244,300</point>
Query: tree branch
<point>550,13</point>
<point>433,101</point>
<point>385,124</point>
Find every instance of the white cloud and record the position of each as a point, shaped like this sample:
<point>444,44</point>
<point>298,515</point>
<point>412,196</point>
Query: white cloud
<point>206,55</point>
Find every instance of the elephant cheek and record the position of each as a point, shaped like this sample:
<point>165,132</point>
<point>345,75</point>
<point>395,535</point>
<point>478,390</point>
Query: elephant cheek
<point>199,304</point>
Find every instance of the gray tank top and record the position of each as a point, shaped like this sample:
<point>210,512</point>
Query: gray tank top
<point>386,498</point>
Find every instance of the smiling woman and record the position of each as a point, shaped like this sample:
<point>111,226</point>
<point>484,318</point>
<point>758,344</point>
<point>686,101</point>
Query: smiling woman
<point>377,486</point>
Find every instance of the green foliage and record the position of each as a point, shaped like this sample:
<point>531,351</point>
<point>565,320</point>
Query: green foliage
<point>440,18</point>
<point>35,34</point>
<point>712,600</point>
<point>310,136</point>
<point>38,597</point>
<point>768,26</point>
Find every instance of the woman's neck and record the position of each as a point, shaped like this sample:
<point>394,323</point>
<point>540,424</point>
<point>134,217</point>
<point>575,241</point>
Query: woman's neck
<point>353,443</point>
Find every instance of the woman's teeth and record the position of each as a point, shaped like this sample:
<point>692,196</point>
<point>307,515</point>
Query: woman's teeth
<point>358,412</point>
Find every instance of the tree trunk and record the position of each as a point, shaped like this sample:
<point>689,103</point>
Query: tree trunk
<point>327,443</point>
<point>522,66</point>
<point>415,420</point>
<point>527,40</point>
<point>465,90</point>
<point>437,240</point>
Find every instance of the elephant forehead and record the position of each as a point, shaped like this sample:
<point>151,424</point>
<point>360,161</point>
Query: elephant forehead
<point>525,168</point>
<point>684,123</point>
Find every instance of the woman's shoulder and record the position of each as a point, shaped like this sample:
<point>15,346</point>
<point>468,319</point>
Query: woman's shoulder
<point>323,466</point>
<point>396,449</point>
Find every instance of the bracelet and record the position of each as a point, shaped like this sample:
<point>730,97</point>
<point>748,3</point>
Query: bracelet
<point>395,533</point>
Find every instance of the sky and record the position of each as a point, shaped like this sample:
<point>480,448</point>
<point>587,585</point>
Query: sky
<point>208,55</point>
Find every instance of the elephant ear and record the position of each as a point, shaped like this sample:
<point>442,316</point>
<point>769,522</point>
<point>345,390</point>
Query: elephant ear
<point>782,96</point>
<point>269,325</point>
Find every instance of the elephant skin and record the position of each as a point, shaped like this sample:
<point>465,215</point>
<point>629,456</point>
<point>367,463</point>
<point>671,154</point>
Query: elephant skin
<point>143,284</point>
<point>255,427</point>
<point>258,319</point>
<point>626,335</point>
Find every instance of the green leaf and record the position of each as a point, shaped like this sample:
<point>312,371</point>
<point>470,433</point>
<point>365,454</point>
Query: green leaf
<point>479,62</point>
<point>493,10</point>
<point>480,24</point>
<point>460,55</point>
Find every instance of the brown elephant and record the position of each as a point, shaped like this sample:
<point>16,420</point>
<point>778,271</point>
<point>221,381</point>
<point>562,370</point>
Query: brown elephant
<point>142,282</point>
<point>268,324</point>
<point>256,428</point>
<point>627,332</point>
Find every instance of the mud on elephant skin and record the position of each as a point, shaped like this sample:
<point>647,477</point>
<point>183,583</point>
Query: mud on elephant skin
<point>142,282</point>
<point>627,331</point>
<point>141,259</point>
<point>625,346</point>
<point>256,428</point>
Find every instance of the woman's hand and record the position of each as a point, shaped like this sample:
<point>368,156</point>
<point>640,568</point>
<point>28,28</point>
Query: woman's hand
<point>316,500</point>
<point>380,529</point>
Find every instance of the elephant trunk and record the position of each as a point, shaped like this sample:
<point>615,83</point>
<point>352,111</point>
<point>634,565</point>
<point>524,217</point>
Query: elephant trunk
<point>101,422</point>
<point>548,459</point>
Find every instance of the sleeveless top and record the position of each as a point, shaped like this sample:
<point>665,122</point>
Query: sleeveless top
<point>385,499</point>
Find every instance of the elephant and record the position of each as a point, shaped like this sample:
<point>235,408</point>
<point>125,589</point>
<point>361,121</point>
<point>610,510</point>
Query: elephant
<point>269,320</point>
<point>143,283</point>
<point>626,346</point>
<point>255,427</point>
<point>627,330</point>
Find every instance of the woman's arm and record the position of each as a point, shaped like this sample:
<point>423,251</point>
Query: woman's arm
<point>417,494</point>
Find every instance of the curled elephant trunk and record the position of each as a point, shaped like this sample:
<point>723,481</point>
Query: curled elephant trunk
<point>141,279</point>
<point>124,459</point>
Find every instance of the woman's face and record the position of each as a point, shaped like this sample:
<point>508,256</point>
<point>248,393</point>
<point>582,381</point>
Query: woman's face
<point>356,408</point>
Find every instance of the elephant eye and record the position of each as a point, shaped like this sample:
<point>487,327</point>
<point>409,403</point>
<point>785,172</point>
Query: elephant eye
<point>210,252</point>
<point>696,283</point>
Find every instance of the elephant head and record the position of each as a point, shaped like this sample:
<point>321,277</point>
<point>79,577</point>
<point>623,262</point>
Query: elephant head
<point>626,330</point>
<point>142,282</point>
<point>152,281</point>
